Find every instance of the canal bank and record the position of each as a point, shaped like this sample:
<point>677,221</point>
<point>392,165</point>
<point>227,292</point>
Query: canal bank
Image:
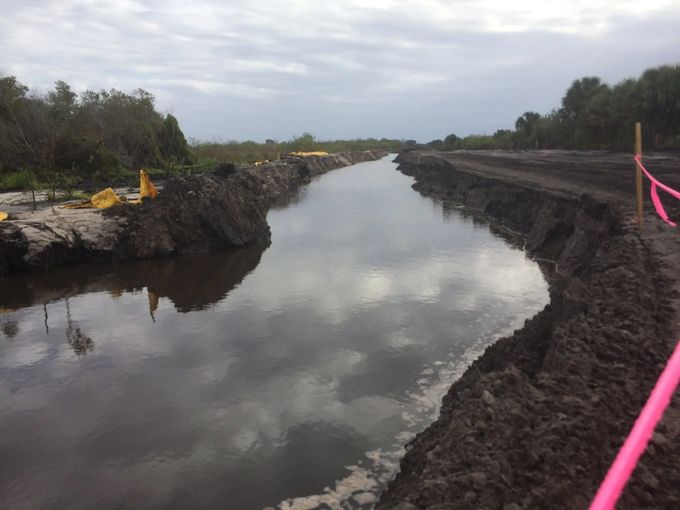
<point>536,421</point>
<point>193,214</point>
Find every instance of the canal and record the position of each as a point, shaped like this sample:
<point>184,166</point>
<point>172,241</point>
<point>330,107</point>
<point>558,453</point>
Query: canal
<point>289,377</point>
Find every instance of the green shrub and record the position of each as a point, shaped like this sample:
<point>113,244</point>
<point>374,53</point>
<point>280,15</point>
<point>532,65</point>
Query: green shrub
<point>18,181</point>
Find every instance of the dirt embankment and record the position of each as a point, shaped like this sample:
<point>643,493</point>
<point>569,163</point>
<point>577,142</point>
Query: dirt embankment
<point>192,214</point>
<point>536,421</point>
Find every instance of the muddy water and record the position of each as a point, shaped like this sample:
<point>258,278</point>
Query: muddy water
<point>290,377</point>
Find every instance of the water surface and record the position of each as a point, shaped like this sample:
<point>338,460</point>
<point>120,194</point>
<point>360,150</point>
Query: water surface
<point>244,379</point>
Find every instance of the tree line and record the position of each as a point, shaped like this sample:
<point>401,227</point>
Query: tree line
<point>63,136</point>
<point>60,138</point>
<point>595,115</point>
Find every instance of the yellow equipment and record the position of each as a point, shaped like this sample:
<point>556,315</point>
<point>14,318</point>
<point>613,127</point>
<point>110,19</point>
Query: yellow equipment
<point>305,154</point>
<point>105,199</point>
<point>108,198</point>
<point>102,200</point>
<point>146,187</point>
<point>3,216</point>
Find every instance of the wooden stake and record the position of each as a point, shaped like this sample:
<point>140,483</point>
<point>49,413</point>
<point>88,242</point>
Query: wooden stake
<point>638,172</point>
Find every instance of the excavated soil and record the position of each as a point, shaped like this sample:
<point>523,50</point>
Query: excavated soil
<point>192,214</point>
<point>536,421</point>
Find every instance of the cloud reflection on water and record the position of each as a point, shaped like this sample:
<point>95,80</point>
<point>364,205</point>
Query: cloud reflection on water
<point>259,386</point>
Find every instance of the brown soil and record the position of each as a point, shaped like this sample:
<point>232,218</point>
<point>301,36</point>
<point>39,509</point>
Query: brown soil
<point>537,420</point>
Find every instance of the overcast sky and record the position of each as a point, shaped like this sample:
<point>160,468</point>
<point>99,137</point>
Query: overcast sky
<point>249,69</point>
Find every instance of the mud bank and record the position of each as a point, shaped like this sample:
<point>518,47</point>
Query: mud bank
<point>192,214</point>
<point>536,421</point>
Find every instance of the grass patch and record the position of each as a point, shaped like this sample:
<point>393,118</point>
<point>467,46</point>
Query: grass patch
<point>18,181</point>
<point>67,197</point>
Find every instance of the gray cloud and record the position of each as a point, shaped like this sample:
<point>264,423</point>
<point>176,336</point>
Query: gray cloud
<point>342,69</point>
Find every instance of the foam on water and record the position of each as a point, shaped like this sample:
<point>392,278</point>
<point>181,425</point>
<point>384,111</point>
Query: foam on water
<point>361,488</point>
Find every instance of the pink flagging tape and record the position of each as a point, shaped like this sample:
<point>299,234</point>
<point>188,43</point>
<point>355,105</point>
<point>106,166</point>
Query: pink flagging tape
<point>655,193</point>
<point>639,436</point>
<point>636,442</point>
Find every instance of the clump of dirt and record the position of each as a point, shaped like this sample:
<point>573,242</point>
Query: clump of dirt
<point>14,246</point>
<point>194,214</point>
<point>536,421</point>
